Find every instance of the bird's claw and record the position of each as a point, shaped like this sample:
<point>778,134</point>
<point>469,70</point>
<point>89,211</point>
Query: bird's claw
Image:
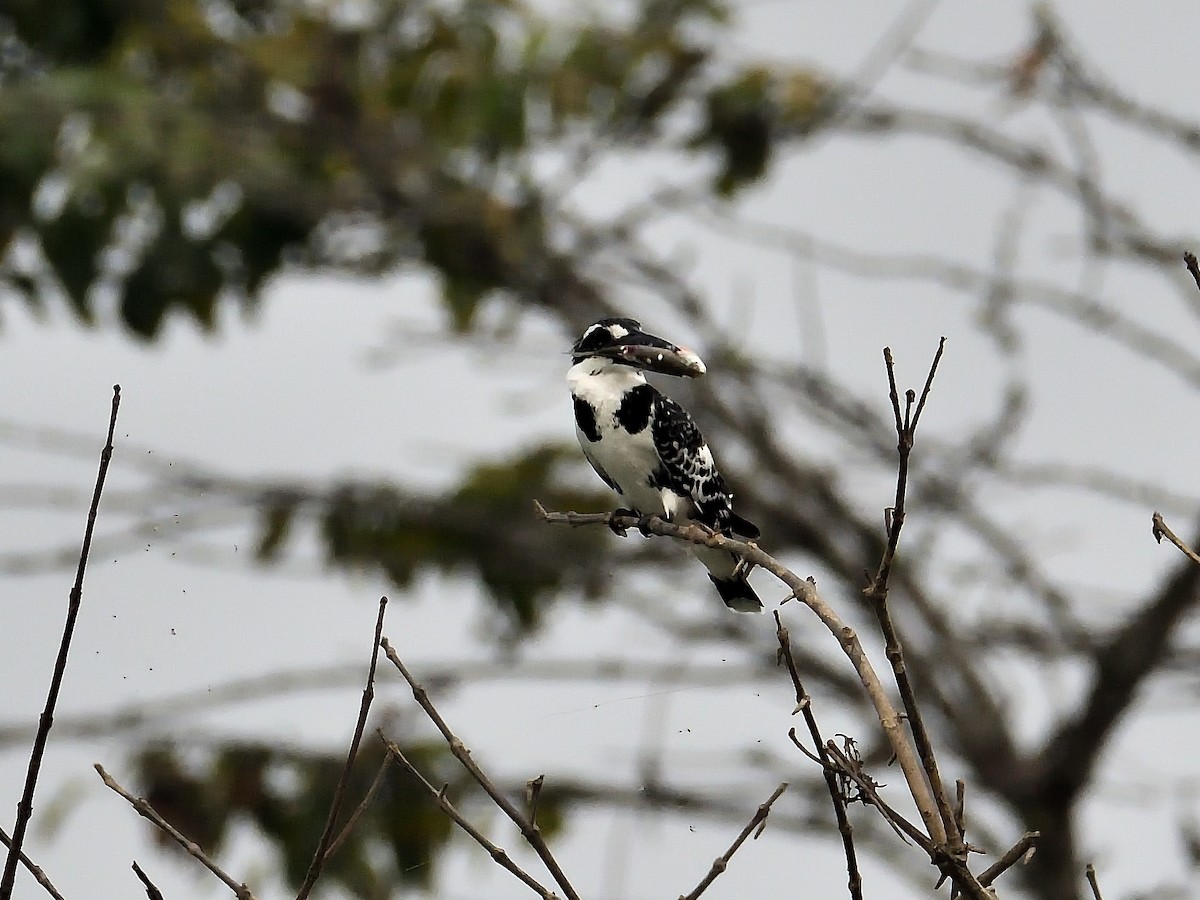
<point>620,530</point>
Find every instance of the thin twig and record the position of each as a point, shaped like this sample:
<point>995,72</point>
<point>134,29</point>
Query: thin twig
<point>1092,882</point>
<point>722,862</point>
<point>33,869</point>
<point>804,706</point>
<point>147,811</point>
<point>1161,530</point>
<point>870,791</point>
<point>361,808</point>
<point>152,891</point>
<point>951,866</point>
<point>499,854</point>
<point>529,831</point>
<point>1020,851</point>
<point>318,860</point>
<point>25,805</point>
<point>877,590</point>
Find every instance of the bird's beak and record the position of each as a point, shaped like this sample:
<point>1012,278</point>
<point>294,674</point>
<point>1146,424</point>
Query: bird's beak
<point>645,351</point>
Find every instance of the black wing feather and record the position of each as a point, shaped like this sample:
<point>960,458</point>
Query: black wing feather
<point>686,464</point>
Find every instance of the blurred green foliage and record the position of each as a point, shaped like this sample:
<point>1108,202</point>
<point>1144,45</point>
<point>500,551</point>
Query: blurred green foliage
<point>166,157</point>
<point>286,794</point>
<point>484,528</point>
<point>178,154</point>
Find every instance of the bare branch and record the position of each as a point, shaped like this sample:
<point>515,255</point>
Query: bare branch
<point>877,591</point>
<point>147,811</point>
<point>722,862</point>
<point>806,592</point>
<point>319,856</point>
<point>25,805</point>
<point>529,830</point>
<point>361,808</point>
<point>804,706</point>
<point>499,854</point>
<point>1161,530</point>
<point>1021,851</point>
<point>33,869</point>
<point>1093,883</point>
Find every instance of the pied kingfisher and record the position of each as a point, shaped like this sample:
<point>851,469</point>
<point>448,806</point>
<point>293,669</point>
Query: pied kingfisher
<point>646,447</point>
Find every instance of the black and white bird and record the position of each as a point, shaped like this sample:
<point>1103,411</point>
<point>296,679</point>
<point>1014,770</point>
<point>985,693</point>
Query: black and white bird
<point>646,447</point>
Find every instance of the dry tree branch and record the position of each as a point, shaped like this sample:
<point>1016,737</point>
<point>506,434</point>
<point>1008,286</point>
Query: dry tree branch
<point>869,789</point>
<point>319,856</point>
<point>755,826</point>
<point>1020,851</point>
<point>877,590</point>
<point>1092,882</point>
<point>240,890</point>
<point>152,891</point>
<point>804,706</point>
<point>33,869</point>
<point>529,830</point>
<point>498,853</point>
<point>25,805</point>
<point>806,592</point>
<point>1161,530</point>
<point>367,800</point>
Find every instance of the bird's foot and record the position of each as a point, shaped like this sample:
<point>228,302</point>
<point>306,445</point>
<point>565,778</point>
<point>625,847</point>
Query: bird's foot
<point>621,530</point>
<point>643,526</point>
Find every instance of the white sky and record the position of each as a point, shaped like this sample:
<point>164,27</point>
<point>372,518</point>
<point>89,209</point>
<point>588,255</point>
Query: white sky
<point>272,396</point>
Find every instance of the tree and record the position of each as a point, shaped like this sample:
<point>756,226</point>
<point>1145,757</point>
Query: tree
<point>182,157</point>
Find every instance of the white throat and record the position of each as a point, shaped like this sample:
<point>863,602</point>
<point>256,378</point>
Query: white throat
<point>600,381</point>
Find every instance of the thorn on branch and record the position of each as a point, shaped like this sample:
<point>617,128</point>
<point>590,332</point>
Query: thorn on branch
<point>1161,530</point>
<point>753,827</point>
<point>152,892</point>
<point>1189,260</point>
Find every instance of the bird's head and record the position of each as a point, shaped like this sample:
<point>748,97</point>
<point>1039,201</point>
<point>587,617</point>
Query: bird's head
<point>623,342</point>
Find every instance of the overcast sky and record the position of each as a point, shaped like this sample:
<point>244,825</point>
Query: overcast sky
<point>299,390</point>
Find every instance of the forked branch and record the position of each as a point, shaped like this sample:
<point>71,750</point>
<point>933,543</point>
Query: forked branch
<point>529,830</point>
<point>496,852</point>
<point>876,592</point>
<point>806,592</point>
<point>324,844</point>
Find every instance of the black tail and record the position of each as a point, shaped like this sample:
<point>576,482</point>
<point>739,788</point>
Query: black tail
<point>741,526</point>
<point>737,593</point>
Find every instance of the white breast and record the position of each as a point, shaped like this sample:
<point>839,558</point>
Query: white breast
<point>628,459</point>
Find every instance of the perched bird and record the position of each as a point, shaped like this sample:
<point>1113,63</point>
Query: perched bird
<point>646,447</point>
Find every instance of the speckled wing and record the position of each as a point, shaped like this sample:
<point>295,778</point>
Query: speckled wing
<point>687,465</point>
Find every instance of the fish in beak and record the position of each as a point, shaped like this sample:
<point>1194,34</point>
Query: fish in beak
<point>623,341</point>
